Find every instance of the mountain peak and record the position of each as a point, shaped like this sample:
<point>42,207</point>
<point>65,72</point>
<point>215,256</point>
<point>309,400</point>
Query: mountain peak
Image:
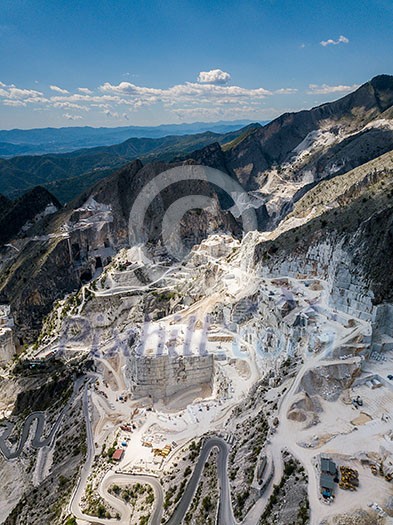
<point>382,82</point>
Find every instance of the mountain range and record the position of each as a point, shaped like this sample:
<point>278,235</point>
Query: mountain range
<point>68,174</point>
<point>286,162</point>
<point>60,140</point>
<point>272,344</point>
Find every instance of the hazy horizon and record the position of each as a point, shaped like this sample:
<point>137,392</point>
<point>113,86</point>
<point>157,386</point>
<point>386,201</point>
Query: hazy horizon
<point>124,65</point>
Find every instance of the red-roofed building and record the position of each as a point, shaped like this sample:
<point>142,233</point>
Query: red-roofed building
<point>118,454</point>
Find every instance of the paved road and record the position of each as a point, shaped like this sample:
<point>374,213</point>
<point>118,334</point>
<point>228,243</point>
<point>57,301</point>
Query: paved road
<point>124,509</point>
<point>38,440</point>
<point>225,513</point>
<point>80,488</point>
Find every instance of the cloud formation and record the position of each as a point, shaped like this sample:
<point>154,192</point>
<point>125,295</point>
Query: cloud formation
<point>330,42</point>
<point>325,89</point>
<point>214,76</point>
<point>59,90</point>
<point>209,97</point>
<point>68,116</point>
<point>14,103</point>
<point>84,90</point>
<point>15,93</point>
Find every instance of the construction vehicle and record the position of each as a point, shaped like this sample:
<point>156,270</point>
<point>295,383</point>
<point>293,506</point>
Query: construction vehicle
<point>357,402</point>
<point>349,478</point>
<point>346,486</point>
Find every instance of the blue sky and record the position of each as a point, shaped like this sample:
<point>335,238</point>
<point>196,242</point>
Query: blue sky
<point>147,62</point>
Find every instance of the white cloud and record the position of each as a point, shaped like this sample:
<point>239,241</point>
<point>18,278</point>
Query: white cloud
<point>59,90</point>
<point>325,89</point>
<point>285,91</point>
<point>112,114</point>
<point>17,93</point>
<point>208,98</point>
<point>330,42</point>
<point>126,88</point>
<point>68,116</point>
<point>214,76</point>
<point>14,95</point>
<point>188,90</point>
<point>86,91</point>
<point>14,103</point>
<point>69,105</point>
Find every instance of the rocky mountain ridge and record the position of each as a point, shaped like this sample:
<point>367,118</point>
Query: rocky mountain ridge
<point>276,164</point>
<point>286,158</point>
<point>267,338</point>
<point>67,174</point>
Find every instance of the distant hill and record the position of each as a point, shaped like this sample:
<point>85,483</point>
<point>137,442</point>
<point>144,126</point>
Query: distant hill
<point>66,175</point>
<point>60,140</point>
<point>330,166</point>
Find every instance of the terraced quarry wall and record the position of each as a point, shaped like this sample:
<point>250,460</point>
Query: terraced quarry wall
<point>164,376</point>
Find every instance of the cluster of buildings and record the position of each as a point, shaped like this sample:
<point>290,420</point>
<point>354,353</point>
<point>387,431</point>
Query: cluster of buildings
<point>328,477</point>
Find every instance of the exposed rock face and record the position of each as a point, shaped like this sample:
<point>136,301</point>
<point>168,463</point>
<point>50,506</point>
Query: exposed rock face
<point>42,273</point>
<point>162,377</point>
<point>329,381</point>
<point>70,246</point>
<point>330,261</point>
<point>276,141</point>
<point>7,346</point>
<point>25,211</point>
<point>343,235</point>
<point>382,337</point>
<point>304,409</point>
<point>279,162</point>
<point>286,158</point>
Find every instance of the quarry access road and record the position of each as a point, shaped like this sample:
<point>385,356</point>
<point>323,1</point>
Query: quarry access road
<point>287,435</point>
<point>124,509</point>
<point>38,441</point>
<point>225,513</point>
<point>117,290</point>
<point>79,490</point>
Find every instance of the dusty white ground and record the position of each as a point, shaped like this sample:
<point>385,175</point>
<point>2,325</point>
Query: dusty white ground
<point>247,357</point>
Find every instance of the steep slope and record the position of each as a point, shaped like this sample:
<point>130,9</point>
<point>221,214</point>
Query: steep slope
<point>285,158</point>
<point>347,115</point>
<point>92,228</point>
<point>342,230</point>
<point>67,248</point>
<point>20,215</point>
<point>5,204</point>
